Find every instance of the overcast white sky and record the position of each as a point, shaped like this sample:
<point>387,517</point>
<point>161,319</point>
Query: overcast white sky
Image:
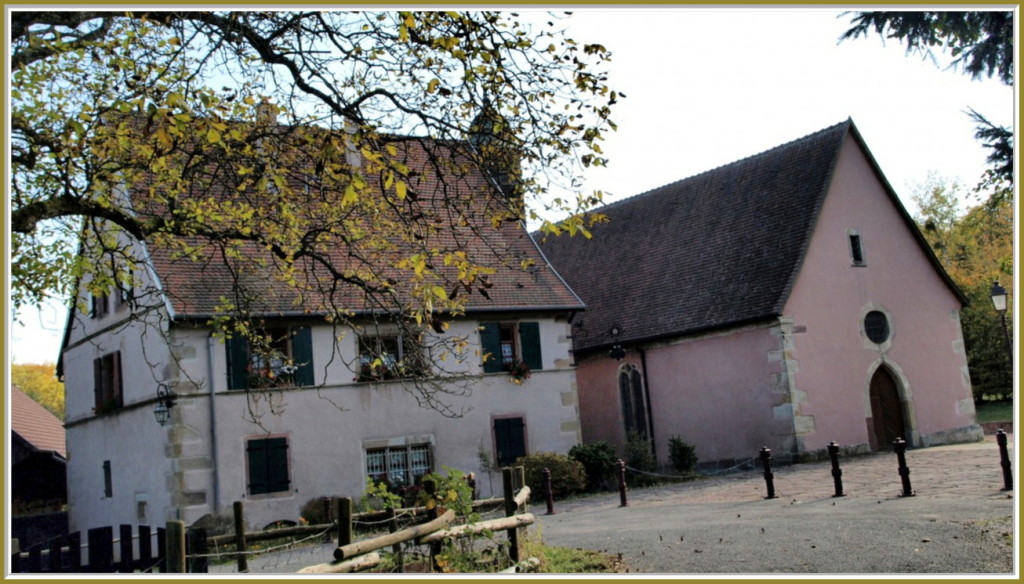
<point>706,87</point>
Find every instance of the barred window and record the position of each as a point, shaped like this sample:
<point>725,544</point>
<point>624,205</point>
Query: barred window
<point>398,466</point>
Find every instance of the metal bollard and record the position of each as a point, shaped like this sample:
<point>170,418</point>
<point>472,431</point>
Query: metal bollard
<point>769,477</point>
<point>621,466</point>
<point>1004,460</point>
<point>837,473</point>
<point>548,492</point>
<point>900,446</point>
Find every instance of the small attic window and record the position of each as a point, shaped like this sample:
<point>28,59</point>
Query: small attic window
<point>856,248</point>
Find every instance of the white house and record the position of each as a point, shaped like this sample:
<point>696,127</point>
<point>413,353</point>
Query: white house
<point>329,415</point>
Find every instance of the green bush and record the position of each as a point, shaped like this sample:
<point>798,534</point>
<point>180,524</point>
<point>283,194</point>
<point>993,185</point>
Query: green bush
<point>567,475</point>
<point>682,454</point>
<point>640,457</point>
<point>598,460</point>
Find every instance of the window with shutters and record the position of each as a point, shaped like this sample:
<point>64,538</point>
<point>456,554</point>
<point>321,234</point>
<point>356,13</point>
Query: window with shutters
<point>99,305</point>
<point>509,346</point>
<point>267,461</point>
<point>398,356</point>
<point>108,386</point>
<point>279,356</point>
<point>398,466</point>
<point>509,440</point>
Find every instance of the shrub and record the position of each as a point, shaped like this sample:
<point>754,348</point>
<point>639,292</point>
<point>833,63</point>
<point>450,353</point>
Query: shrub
<point>682,454</point>
<point>567,475</point>
<point>640,458</point>
<point>598,460</point>
<point>313,511</point>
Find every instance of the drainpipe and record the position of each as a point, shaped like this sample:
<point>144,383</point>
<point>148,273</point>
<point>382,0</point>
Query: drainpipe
<point>647,400</point>
<point>213,424</point>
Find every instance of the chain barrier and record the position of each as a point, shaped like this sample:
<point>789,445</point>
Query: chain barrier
<point>290,544</point>
<point>749,461</point>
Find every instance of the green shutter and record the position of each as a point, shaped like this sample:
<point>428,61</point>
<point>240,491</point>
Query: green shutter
<point>257,452</point>
<point>509,440</point>
<point>302,355</point>
<point>268,465</point>
<point>238,363</point>
<point>490,342</point>
<point>529,342</point>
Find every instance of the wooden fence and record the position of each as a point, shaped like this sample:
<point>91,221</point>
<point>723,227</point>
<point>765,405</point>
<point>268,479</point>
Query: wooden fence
<point>181,549</point>
<point>101,553</point>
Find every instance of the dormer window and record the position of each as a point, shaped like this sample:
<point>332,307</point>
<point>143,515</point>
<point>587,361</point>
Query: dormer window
<point>856,248</point>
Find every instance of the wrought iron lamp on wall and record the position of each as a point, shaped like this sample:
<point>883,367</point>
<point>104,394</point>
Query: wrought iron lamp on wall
<point>165,401</point>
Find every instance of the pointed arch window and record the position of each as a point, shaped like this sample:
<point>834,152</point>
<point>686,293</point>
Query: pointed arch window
<point>634,407</point>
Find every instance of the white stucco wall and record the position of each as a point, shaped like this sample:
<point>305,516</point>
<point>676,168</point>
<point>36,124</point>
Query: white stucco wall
<point>197,463</point>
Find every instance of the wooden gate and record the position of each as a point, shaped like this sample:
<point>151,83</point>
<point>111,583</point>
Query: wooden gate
<point>887,423</point>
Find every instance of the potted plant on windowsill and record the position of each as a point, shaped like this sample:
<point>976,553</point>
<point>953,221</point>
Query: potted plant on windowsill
<point>520,372</point>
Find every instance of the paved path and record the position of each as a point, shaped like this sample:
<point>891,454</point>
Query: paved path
<point>959,522</point>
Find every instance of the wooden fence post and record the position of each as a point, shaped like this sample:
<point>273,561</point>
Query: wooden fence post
<point>15,556</point>
<point>175,551</point>
<point>161,546</point>
<point>145,561</point>
<point>127,556</point>
<point>197,548</point>
<point>240,546</point>
<point>75,551</point>
<point>344,515</point>
<point>101,550</point>
<point>508,486</point>
<point>397,548</point>
<point>56,558</point>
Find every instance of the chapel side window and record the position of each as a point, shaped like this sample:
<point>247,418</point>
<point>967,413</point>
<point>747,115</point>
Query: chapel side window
<point>634,409</point>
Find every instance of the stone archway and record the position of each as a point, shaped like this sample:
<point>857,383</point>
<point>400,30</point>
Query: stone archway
<point>888,420</point>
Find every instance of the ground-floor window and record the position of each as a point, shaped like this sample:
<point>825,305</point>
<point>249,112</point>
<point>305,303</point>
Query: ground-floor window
<point>268,465</point>
<point>398,466</point>
<point>509,440</point>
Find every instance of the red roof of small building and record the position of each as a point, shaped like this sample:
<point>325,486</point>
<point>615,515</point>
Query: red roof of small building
<point>35,424</point>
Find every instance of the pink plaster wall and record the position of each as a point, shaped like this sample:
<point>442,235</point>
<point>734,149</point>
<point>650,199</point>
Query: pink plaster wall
<point>830,297</point>
<point>716,393</point>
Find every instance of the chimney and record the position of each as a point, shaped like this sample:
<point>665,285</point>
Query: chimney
<point>266,113</point>
<point>490,137</point>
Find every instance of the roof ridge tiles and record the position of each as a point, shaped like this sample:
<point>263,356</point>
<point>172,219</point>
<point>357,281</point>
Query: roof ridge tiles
<point>738,161</point>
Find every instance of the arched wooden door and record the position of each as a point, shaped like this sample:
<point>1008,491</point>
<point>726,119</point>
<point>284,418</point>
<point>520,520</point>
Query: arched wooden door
<point>886,411</point>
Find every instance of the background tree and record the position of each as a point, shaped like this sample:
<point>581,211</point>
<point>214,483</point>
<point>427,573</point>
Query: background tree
<point>981,44</point>
<point>39,381</point>
<point>976,248</point>
<point>278,142</point>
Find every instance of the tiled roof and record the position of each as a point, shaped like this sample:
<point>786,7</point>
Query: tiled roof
<point>713,250</point>
<point>196,288</point>
<point>35,424</point>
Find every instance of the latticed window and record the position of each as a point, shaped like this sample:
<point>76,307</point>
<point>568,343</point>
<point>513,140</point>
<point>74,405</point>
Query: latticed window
<point>876,326</point>
<point>398,466</point>
<point>631,394</point>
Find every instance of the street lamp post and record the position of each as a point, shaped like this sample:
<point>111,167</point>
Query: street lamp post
<point>999,302</point>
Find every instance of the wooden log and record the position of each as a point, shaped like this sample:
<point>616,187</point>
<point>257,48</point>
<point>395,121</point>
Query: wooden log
<point>527,565</point>
<point>522,496</point>
<point>479,527</point>
<point>356,564</point>
<point>368,545</point>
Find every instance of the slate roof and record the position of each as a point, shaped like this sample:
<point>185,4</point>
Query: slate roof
<point>718,249</point>
<point>35,424</point>
<point>195,288</point>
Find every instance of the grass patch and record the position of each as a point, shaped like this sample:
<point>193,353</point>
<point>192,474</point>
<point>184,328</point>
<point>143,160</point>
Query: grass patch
<point>562,560</point>
<point>994,411</point>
